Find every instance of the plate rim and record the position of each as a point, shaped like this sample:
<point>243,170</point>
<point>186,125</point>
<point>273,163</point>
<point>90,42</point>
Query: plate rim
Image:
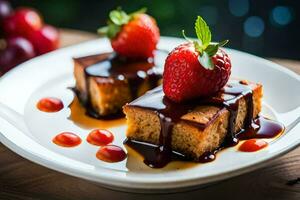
<point>136,184</point>
<point>125,182</point>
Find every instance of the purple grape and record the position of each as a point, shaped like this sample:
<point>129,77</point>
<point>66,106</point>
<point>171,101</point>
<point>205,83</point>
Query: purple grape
<point>17,51</point>
<point>5,9</point>
<point>23,46</point>
<point>7,59</point>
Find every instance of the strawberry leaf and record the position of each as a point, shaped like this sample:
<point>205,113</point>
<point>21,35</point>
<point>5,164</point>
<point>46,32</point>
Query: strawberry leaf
<point>119,17</point>
<point>223,43</point>
<point>213,47</point>
<point>113,30</point>
<point>206,61</point>
<point>202,31</point>
<point>185,37</point>
<point>198,47</point>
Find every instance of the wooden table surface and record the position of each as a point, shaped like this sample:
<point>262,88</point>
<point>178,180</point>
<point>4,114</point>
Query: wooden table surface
<point>22,179</point>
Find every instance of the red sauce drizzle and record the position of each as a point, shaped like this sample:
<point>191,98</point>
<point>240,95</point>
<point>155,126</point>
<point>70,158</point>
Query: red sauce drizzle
<point>253,145</point>
<point>111,154</point>
<point>50,104</point>
<point>100,137</point>
<point>67,139</point>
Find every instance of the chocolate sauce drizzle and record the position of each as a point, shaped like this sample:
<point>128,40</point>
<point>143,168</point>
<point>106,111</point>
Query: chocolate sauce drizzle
<point>170,113</point>
<point>120,69</point>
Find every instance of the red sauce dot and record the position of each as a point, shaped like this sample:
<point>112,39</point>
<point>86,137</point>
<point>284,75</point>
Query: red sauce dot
<point>253,145</point>
<point>67,139</point>
<point>50,104</point>
<point>100,137</point>
<point>111,154</point>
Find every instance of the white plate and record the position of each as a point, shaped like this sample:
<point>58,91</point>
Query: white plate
<point>28,132</point>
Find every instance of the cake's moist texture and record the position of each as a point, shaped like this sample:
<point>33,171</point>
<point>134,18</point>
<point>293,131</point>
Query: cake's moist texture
<point>199,128</point>
<point>105,82</point>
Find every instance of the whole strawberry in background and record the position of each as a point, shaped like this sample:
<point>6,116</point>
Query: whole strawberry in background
<point>22,22</point>
<point>24,36</point>
<point>132,35</point>
<point>197,68</point>
<point>45,39</point>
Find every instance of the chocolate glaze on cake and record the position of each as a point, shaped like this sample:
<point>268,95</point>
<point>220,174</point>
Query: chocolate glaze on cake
<point>110,65</point>
<point>170,113</point>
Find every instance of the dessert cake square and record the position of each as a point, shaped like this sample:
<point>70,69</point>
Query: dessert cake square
<point>106,82</point>
<point>193,128</point>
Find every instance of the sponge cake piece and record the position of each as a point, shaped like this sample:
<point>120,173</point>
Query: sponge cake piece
<point>197,127</point>
<point>106,82</point>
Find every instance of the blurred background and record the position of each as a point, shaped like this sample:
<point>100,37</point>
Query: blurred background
<point>265,28</point>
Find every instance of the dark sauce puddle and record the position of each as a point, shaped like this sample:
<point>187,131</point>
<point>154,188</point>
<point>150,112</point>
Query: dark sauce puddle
<point>169,113</point>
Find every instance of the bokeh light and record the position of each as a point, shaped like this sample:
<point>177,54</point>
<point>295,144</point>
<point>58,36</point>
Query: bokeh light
<point>238,7</point>
<point>228,19</point>
<point>254,26</point>
<point>281,15</point>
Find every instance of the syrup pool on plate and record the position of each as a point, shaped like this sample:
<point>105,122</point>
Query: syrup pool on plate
<point>79,117</point>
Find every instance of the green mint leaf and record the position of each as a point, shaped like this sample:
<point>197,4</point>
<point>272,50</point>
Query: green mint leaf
<point>202,31</point>
<point>206,61</point>
<point>119,17</point>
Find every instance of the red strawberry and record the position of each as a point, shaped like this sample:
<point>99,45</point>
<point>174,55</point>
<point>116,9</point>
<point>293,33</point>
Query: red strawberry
<point>196,69</point>
<point>45,39</point>
<point>185,78</point>
<point>22,22</point>
<point>132,35</point>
